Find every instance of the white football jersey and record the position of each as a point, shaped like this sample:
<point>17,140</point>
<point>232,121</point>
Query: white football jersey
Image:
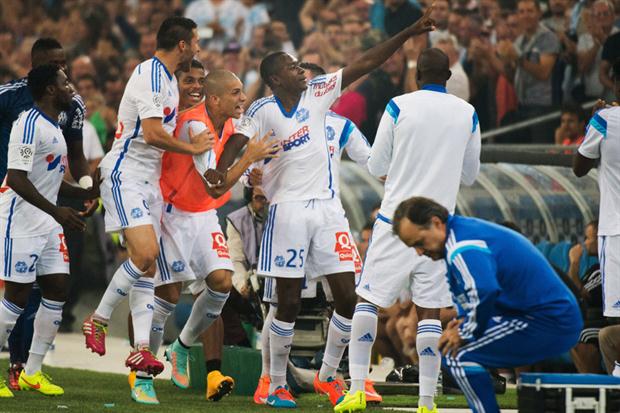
<point>151,92</point>
<point>342,134</point>
<point>38,147</point>
<point>602,142</point>
<point>427,142</point>
<point>304,169</point>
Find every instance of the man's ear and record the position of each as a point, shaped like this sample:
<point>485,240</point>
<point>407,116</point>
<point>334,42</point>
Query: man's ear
<point>449,74</point>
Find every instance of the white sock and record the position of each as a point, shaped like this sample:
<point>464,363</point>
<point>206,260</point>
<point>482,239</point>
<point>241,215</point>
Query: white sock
<point>46,323</point>
<point>427,344</point>
<point>363,335</point>
<point>205,311</point>
<point>264,340</point>
<point>141,298</point>
<point>338,337</point>
<point>280,340</point>
<point>119,287</point>
<point>161,312</point>
<point>616,372</point>
<point>9,313</point>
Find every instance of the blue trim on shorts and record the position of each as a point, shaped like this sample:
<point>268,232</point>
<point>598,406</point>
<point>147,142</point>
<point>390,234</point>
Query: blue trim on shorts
<point>8,242</point>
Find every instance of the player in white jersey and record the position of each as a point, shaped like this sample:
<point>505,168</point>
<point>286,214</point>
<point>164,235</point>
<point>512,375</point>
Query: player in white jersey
<point>602,143</point>
<point>130,184</point>
<point>306,223</point>
<point>427,143</point>
<point>34,247</point>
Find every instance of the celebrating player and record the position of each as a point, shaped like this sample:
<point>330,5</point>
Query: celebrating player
<point>427,143</point>
<point>130,185</point>
<point>513,309</point>
<point>34,246</point>
<point>306,226</point>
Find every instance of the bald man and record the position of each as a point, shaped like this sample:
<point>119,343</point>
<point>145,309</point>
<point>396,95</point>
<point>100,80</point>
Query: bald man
<point>193,248</point>
<point>428,141</point>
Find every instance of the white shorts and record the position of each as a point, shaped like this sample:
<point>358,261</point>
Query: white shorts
<point>609,258</point>
<point>308,290</point>
<point>300,234</point>
<point>192,246</point>
<point>23,259</point>
<point>391,267</point>
<point>130,202</point>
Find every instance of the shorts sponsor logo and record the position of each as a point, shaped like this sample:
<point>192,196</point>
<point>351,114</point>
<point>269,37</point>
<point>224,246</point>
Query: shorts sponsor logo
<point>357,261</point>
<point>219,245</point>
<point>331,133</point>
<point>136,213</point>
<point>178,266</point>
<point>302,114</point>
<point>21,267</point>
<point>279,261</point>
<point>63,248</point>
<point>301,137</point>
<point>344,246</point>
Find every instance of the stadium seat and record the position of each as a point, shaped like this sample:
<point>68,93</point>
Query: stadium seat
<point>558,255</point>
<point>544,246</point>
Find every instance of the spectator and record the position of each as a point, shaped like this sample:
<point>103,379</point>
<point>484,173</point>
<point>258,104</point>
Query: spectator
<point>364,239</point>
<point>148,44</point>
<point>255,15</point>
<point>80,66</point>
<point>458,84</point>
<point>534,55</point>
<point>600,26</point>
<point>441,13</point>
<point>219,21</point>
<point>557,21</point>
<point>586,354</point>
<point>280,32</point>
<point>233,59</point>
<point>398,15</point>
<point>609,55</point>
<point>572,126</point>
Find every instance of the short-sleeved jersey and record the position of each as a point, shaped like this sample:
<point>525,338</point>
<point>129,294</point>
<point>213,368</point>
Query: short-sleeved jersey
<point>151,92</point>
<point>343,135</point>
<point>602,142</point>
<point>304,169</point>
<point>427,142</point>
<point>15,98</point>
<point>494,271</point>
<point>38,147</point>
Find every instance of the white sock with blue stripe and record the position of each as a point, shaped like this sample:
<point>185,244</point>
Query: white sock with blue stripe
<point>161,312</point>
<point>363,335</point>
<point>280,340</point>
<point>46,323</point>
<point>9,313</point>
<point>205,311</point>
<point>338,337</point>
<point>427,345</point>
<point>120,285</point>
<point>264,340</point>
<point>141,303</point>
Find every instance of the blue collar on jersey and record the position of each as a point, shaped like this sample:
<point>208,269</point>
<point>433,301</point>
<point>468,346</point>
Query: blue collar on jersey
<point>47,118</point>
<point>434,88</point>
<point>284,112</point>
<point>164,66</point>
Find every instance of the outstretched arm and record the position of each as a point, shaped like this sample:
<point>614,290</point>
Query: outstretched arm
<point>375,57</point>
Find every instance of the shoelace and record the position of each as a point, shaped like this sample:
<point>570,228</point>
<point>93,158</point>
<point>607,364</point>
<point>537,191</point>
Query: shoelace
<point>99,329</point>
<point>46,378</point>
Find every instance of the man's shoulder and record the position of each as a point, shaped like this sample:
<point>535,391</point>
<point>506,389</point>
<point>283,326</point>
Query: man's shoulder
<point>16,89</point>
<point>260,104</point>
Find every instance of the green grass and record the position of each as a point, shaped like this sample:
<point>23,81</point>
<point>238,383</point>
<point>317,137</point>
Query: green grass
<point>87,391</point>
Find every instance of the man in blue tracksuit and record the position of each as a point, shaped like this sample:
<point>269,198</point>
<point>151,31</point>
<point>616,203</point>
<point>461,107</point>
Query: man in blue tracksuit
<point>513,309</point>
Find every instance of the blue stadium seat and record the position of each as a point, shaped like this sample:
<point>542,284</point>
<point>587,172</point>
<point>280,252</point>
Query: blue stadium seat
<point>544,246</point>
<point>558,255</point>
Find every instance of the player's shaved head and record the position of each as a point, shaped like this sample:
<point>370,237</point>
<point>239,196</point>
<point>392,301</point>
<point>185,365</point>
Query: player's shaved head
<point>433,67</point>
<point>218,82</point>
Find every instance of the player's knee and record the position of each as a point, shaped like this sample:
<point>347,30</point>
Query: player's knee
<point>220,281</point>
<point>145,258</point>
<point>345,304</point>
<point>288,309</point>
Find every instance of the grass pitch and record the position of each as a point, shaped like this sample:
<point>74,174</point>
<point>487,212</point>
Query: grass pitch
<point>87,391</point>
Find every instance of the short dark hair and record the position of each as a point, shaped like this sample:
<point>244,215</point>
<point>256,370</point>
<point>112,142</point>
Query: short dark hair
<point>512,225</point>
<point>195,64</point>
<point>270,65</point>
<point>173,30</point>
<point>40,78</point>
<point>575,109</point>
<point>593,223</point>
<point>419,210</point>
<point>313,67</point>
<point>44,44</point>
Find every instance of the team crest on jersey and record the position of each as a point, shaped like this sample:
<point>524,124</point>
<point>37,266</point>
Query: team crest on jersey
<point>21,267</point>
<point>302,114</point>
<point>219,245</point>
<point>331,133</point>
<point>25,153</point>
<point>136,213</point>
<point>178,266</point>
<point>279,261</point>
<point>344,247</point>
<point>63,248</point>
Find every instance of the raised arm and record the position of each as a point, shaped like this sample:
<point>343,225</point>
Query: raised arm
<point>375,57</point>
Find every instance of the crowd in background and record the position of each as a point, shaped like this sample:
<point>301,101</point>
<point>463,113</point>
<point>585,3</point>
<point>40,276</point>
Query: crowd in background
<point>512,59</point>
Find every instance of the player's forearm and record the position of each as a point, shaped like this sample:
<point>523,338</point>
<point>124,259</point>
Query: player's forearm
<point>231,177</point>
<point>162,140</point>
<point>540,71</point>
<point>70,191</point>
<point>78,165</point>
<point>19,182</point>
<point>232,148</point>
<point>573,273</point>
